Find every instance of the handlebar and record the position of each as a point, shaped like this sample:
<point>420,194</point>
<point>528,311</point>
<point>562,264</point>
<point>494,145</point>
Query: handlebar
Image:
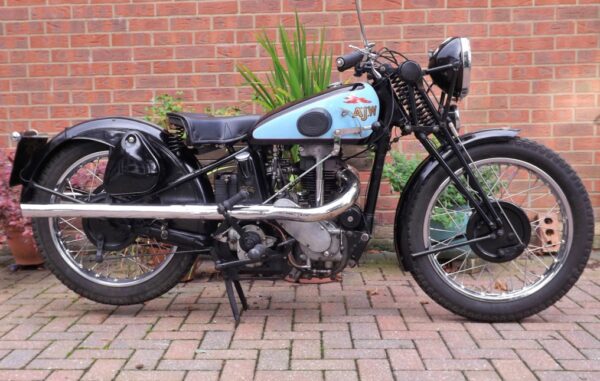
<point>349,60</point>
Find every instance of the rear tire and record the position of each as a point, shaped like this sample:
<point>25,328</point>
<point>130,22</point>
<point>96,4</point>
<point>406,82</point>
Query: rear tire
<point>501,302</point>
<point>84,282</point>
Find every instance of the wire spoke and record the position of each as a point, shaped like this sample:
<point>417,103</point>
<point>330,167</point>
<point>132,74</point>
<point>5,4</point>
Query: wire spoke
<point>134,263</point>
<point>511,181</point>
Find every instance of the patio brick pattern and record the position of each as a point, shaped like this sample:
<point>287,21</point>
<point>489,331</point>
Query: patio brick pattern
<point>374,325</point>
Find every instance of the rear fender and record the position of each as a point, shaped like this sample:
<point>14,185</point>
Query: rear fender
<point>109,132</point>
<point>424,169</point>
<point>105,131</point>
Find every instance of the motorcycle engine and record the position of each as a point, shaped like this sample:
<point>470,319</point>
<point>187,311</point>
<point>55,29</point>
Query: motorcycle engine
<point>321,247</point>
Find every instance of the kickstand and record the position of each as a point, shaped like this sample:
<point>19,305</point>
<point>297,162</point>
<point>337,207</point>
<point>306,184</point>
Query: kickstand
<point>229,284</point>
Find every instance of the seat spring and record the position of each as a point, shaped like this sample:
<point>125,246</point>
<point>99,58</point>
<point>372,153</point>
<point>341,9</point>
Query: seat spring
<point>175,137</point>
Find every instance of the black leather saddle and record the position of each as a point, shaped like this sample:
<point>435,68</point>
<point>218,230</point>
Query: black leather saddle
<point>207,129</point>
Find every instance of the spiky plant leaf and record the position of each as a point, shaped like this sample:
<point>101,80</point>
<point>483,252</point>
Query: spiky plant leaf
<point>296,74</point>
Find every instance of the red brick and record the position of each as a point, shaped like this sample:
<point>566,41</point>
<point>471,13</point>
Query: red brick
<point>217,7</point>
<point>85,40</point>
<point>178,8</point>
<point>302,5</point>
<point>232,22</point>
<point>512,59</point>
<point>112,54</point>
<point>467,3</point>
<point>490,15</point>
<point>13,42</point>
<point>562,86</point>
<point>130,39</point>
<point>499,116</point>
<point>113,82</point>
<point>471,30</point>
<point>514,29</point>
<point>73,83</point>
<point>52,12</point>
<point>45,70</point>
<point>154,53</point>
<point>403,17</point>
<point>148,24</point>
<point>25,56</point>
<point>581,42</point>
<point>47,41</point>
<point>61,27</point>
<point>134,10</point>
<point>86,97</point>
<point>534,43</point>
<point>445,16</point>
<point>381,4</point>
<point>107,26</point>
<point>511,3</point>
<point>31,27</point>
<point>531,73</point>
<point>581,12</point>
<point>588,26</point>
<point>554,27</point>
<point>14,13</point>
<point>414,4</point>
<point>535,13</point>
<point>92,11</point>
<point>423,31</point>
<point>190,23</point>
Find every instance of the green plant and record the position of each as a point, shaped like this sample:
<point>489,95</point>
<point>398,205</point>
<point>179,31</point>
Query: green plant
<point>400,169</point>
<point>223,111</point>
<point>161,105</point>
<point>297,76</point>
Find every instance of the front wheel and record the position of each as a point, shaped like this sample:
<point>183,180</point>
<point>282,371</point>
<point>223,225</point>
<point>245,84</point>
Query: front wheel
<point>540,199</point>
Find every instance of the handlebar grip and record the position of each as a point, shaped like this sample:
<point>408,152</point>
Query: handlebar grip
<point>349,60</point>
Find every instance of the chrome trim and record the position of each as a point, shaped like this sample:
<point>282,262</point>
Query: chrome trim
<point>465,45</point>
<point>15,136</point>
<point>204,212</point>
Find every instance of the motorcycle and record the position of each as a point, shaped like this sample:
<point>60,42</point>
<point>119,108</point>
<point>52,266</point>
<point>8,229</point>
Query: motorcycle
<point>122,208</point>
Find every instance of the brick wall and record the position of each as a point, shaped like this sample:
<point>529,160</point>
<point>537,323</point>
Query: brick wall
<point>537,62</point>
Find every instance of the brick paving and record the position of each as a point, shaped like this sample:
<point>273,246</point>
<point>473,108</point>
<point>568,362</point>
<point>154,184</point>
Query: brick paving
<point>374,325</point>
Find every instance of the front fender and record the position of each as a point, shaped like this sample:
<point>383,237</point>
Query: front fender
<point>106,131</point>
<point>426,167</point>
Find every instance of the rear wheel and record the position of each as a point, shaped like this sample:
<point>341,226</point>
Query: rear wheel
<point>133,268</point>
<point>542,201</point>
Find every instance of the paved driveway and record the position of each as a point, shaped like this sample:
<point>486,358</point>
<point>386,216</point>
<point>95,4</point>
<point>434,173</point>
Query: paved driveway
<point>375,325</point>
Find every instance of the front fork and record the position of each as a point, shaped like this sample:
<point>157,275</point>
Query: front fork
<point>492,220</point>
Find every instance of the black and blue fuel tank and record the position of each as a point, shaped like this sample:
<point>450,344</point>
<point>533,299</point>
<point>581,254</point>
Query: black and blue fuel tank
<point>315,119</point>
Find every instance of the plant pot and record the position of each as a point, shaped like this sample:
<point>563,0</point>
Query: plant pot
<point>23,249</point>
<point>441,232</point>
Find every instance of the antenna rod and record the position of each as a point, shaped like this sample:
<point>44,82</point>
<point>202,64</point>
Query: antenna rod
<point>362,27</point>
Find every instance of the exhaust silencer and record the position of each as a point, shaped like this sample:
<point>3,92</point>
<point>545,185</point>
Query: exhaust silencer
<point>204,212</point>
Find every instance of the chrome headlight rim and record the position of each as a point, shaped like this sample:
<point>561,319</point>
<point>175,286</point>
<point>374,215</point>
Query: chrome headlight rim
<point>466,58</point>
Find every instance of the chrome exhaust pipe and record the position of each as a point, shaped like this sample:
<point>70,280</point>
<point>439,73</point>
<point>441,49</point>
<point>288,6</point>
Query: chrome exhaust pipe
<point>204,212</point>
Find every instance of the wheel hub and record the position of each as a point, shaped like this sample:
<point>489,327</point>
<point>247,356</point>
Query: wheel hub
<point>507,244</point>
<point>115,234</point>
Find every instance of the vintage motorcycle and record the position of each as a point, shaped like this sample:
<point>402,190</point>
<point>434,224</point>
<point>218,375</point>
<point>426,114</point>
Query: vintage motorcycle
<point>493,227</point>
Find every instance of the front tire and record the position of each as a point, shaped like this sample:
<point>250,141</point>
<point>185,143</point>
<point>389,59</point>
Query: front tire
<point>141,270</point>
<point>476,288</point>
